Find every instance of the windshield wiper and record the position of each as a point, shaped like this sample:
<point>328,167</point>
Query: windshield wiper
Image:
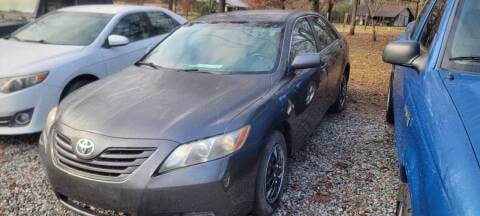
<point>26,40</point>
<point>31,41</point>
<point>150,64</point>
<point>196,70</point>
<point>13,37</point>
<point>465,58</point>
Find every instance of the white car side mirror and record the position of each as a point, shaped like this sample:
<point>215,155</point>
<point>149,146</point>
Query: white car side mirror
<point>117,40</point>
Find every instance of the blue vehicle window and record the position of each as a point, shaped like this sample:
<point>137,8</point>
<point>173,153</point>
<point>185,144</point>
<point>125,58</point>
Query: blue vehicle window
<point>419,17</point>
<point>462,52</point>
<point>430,29</point>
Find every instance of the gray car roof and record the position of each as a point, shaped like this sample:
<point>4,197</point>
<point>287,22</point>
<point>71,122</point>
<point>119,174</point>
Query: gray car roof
<point>251,16</point>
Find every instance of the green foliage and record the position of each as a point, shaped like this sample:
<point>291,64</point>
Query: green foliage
<point>207,7</point>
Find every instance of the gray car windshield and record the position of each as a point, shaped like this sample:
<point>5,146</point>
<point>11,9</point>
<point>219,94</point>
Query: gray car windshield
<point>220,48</point>
<point>463,48</point>
<point>64,28</point>
<point>18,9</point>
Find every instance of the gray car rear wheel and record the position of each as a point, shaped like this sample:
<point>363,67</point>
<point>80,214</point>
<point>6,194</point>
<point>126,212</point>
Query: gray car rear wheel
<point>339,104</point>
<point>271,177</point>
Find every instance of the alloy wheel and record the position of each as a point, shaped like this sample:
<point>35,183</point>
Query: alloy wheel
<point>343,91</point>
<point>275,174</point>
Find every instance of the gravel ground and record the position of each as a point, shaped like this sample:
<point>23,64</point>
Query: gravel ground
<point>348,168</point>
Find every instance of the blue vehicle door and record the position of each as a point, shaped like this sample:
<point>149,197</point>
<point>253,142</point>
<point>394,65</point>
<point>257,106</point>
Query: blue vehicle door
<point>409,97</point>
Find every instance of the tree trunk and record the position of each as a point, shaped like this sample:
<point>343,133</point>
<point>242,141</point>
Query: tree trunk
<point>354,17</point>
<point>222,5</point>
<point>170,5</point>
<point>316,6</point>
<point>374,30</point>
<point>329,10</point>
<point>282,2</point>
<point>416,9</point>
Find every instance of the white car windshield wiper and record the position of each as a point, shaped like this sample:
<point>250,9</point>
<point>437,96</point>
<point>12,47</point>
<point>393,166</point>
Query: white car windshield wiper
<point>13,37</point>
<point>28,40</point>
<point>465,58</point>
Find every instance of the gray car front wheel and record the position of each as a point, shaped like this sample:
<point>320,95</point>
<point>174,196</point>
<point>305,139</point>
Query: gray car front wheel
<point>271,176</point>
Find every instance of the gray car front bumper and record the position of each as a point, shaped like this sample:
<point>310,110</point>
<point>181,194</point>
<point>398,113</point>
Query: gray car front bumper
<point>220,187</point>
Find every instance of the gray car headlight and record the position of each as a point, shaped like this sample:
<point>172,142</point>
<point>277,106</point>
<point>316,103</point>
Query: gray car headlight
<point>13,84</point>
<point>205,150</point>
<point>52,116</point>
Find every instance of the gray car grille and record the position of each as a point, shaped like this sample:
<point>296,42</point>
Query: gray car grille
<point>111,163</point>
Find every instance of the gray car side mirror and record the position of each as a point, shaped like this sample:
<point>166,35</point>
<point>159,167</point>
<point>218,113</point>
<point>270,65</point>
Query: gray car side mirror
<point>307,60</point>
<point>117,40</point>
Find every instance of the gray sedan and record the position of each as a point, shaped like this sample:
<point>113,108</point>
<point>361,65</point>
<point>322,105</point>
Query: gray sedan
<point>203,124</point>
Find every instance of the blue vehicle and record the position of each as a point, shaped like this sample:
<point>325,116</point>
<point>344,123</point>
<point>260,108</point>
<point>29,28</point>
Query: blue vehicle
<point>434,103</point>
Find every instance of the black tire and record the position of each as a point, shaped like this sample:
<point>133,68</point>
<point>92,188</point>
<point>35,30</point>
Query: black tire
<point>71,87</point>
<point>389,115</point>
<point>273,160</point>
<point>339,104</point>
<point>404,203</point>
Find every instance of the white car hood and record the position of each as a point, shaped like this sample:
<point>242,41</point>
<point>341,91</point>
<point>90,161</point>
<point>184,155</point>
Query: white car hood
<point>21,58</point>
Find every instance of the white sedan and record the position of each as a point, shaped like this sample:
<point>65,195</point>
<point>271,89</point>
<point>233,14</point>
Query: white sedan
<point>64,50</point>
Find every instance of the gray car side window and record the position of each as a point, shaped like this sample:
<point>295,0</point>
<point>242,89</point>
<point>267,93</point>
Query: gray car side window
<point>161,22</point>
<point>303,40</point>
<point>324,33</point>
<point>133,26</point>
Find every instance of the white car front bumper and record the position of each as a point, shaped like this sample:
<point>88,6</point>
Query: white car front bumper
<point>41,98</point>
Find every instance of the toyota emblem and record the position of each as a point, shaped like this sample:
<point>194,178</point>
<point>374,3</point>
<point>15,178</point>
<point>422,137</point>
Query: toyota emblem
<point>84,147</point>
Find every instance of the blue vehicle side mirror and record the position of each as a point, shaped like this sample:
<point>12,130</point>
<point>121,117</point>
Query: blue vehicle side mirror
<point>404,53</point>
<point>307,60</point>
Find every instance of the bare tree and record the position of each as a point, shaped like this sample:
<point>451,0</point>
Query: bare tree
<point>170,5</point>
<point>330,4</point>
<point>316,6</point>
<point>353,20</point>
<point>222,5</point>
<point>373,6</point>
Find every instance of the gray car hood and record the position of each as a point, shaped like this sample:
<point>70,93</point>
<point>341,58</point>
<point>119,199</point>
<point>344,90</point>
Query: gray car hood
<point>153,104</point>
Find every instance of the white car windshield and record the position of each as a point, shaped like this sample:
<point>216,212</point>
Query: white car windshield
<point>220,48</point>
<point>64,28</point>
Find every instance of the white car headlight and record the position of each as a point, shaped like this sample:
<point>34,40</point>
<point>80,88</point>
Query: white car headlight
<point>52,116</point>
<point>13,84</point>
<point>205,150</point>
